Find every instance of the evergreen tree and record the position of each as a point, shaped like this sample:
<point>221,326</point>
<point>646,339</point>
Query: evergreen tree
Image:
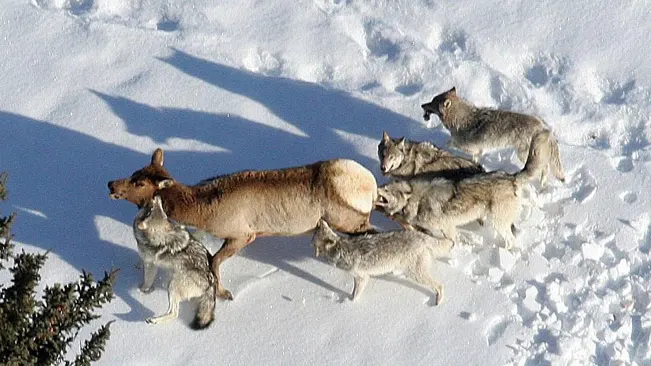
<point>39,332</point>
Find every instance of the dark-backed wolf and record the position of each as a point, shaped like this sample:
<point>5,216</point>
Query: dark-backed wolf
<point>474,129</point>
<point>443,204</point>
<point>406,159</point>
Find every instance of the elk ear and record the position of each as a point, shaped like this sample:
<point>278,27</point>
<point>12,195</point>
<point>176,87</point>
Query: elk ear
<point>385,136</point>
<point>157,157</point>
<point>165,183</point>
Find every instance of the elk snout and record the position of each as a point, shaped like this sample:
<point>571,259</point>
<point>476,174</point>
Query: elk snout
<point>112,191</point>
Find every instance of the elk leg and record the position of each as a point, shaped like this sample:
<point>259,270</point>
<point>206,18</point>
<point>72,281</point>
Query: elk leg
<point>231,247</point>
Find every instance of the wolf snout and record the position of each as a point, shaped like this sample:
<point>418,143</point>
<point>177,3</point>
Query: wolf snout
<point>426,110</point>
<point>381,201</point>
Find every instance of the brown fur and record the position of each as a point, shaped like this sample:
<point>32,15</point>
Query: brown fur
<point>241,206</point>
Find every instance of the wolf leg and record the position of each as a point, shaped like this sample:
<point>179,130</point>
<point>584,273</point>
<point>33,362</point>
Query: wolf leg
<point>149,271</point>
<point>555,161</point>
<point>476,155</point>
<point>360,284</point>
<point>450,233</point>
<point>522,155</point>
<point>544,173</point>
<point>174,298</point>
<point>230,247</point>
<point>419,273</point>
<point>503,227</point>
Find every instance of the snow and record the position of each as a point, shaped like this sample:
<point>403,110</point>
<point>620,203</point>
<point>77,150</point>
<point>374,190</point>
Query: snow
<point>92,87</point>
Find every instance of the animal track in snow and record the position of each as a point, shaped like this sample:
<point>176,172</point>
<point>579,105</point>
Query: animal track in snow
<point>457,42</point>
<point>264,62</point>
<point>330,6</point>
<point>74,7</point>
<point>585,185</point>
<point>409,89</point>
<point>634,138</point>
<point>617,93</point>
<point>167,24</point>
<point>381,40</point>
<point>546,69</point>
<point>643,225</point>
<point>624,164</point>
<point>628,197</point>
<point>370,85</point>
<point>496,330</point>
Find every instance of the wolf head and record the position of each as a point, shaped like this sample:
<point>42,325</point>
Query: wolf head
<point>155,219</point>
<point>393,197</point>
<point>141,186</point>
<point>324,238</point>
<point>391,153</point>
<point>440,105</point>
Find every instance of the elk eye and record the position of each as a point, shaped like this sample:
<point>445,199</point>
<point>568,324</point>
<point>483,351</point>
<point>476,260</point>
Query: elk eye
<point>140,184</point>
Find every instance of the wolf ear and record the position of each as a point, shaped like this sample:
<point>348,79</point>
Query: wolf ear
<point>405,187</point>
<point>166,183</point>
<point>327,231</point>
<point>401,143</point>
<point>142,225</point>
<point>157,157</point>
<point>452,92</point>
<point>385,136</point>
<point>322,224</point>
<point>447,103</point>
<point>330,244</point>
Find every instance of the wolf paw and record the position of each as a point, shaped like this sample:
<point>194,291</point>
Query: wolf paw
<point>145,289</point>
<point>226,295</point>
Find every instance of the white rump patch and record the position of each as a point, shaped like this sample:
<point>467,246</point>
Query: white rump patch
<point>356,184</point>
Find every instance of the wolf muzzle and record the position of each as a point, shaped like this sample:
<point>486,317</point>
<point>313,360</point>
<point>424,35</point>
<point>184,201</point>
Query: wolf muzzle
<point>427,111</point>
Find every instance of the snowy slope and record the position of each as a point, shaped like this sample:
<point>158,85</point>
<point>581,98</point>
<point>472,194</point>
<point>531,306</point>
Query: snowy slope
<point>91,87</point>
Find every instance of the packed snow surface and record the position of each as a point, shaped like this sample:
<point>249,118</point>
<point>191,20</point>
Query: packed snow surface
<point>91,87</point>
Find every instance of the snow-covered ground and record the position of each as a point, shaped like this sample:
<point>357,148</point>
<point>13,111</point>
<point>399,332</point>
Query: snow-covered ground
<point>91,87</point>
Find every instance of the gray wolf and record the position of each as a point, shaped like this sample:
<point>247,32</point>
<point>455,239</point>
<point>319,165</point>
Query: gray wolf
<point>404,159</point>
<point>169,245</point>
<point>381,253</point>
<point>474,129</point>
<point>242,206</point>
<point>443,204</point>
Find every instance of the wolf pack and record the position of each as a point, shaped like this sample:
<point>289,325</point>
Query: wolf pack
<point>432,192</point>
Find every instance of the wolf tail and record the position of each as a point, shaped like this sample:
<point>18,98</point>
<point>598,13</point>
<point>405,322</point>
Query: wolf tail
<point>205,310</point>
<point>556,164</point>
<point>537,158</point>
